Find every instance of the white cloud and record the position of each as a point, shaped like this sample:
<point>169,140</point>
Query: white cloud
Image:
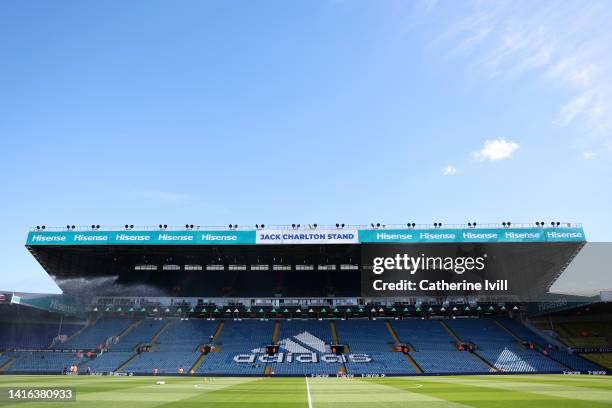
<point>574,108</point>
<point>449,170</point>
<point>496,149</point>
<point>566,45</point>
<point>588,155</point>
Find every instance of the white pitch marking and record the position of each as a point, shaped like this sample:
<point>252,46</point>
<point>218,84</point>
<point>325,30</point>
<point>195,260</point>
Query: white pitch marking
<point>308,393</point>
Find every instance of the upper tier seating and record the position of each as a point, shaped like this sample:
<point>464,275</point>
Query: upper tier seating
<point>186,335</point>
<point>32,335</point>
<point>485,333</point>
<point>423,334</point>
<point>97,333</point>
<point>143,333</point>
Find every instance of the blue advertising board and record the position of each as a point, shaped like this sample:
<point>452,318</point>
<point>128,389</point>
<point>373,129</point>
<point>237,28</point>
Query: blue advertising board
<point>250,237</point>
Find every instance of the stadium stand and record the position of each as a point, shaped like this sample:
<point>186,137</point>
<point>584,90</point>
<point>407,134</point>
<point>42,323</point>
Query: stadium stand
<point>305,336</point>
<point>108,361</point>
<point>423,334</point>
<point>521,331</point>
<point>245,337</point>
<point>143,333</point>
<point>449,362</point>
<point>602,359</point>
<point>43,361</point>
<point>382,362</point>
<point>501,349</point>
<point>97,333</point>
<point>521,361</point>
<point>573,361</point>
<point>167,362</point>
<point>365,335</point>
<point>585,334</point>
<point>32,335</point>
<point>372,338</point>
<point>4,359</point>
<point>485,333</point>
<point>371,347</point>
<point>186,335</point>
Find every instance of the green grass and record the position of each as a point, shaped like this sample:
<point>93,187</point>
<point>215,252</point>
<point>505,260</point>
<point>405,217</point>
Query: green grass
<point>516,391</point>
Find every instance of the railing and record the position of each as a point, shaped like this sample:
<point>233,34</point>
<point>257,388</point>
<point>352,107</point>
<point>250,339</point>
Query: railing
<point>372,226</point>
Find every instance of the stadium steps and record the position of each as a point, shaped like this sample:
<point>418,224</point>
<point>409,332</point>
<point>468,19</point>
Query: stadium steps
<point>411,348</point>
<point>84,362</point>
<point>412,361</point>
<point>396,338</point>
<point>450,331</point>
<point>275,332</point>
<point>197,363</point>
<point>127,362</point>
<point>218,331</point>
<point>77,333</point>
<point>519,341</point>
<point>602,359</point>
<point>159,333</point>
<point>129,329</point>
<point>484,360</point>
<point>8,363</point>
<point>334,334</point>
<point>560,362</point>
<point>393,334</point>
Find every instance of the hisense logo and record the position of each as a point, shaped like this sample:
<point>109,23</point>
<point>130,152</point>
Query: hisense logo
<point>301,348</point>
<point>413,264</point>
<point>48,238</point>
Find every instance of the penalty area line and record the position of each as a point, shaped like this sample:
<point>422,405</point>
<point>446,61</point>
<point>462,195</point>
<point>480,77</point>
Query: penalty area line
<point>308,393</point>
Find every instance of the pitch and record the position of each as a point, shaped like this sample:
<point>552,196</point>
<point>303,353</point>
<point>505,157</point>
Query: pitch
<point>432,392</point>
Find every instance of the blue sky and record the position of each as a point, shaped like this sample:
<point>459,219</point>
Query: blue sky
<point>276,112</point>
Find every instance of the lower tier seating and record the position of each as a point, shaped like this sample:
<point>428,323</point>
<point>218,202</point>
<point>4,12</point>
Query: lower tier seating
<point>33,335</point>
<point>602,359</point>
<point>107,362</point>
<point>43,361</point>
<point>521,361</point>
<point>574,361</point>
<point>382,362</point>
<point>442,361</point>
<point>167,362</point>
<point>423,334</point>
